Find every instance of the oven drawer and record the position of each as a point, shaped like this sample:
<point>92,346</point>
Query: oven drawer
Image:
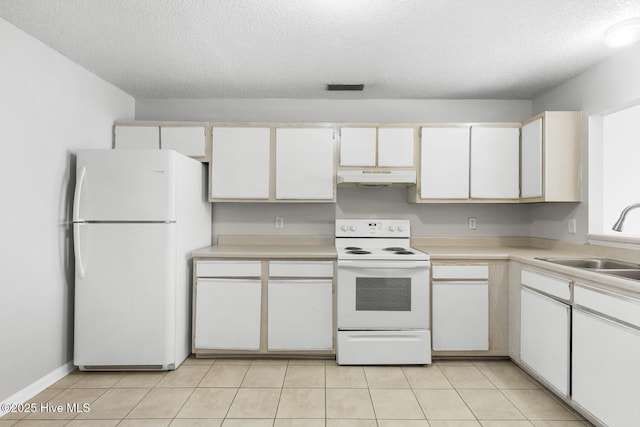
<point>384,347</point>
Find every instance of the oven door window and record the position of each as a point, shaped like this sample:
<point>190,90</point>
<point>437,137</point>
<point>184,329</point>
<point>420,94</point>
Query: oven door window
<point>383,294</point>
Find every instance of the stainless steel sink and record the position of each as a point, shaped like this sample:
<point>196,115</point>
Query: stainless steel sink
<point>593,263</point>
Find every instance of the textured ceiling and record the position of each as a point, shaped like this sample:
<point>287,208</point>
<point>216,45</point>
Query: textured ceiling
<point>485,49</point>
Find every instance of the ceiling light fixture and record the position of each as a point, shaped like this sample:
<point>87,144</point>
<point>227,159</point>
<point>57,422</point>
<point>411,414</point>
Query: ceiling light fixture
<point>623,33</point>
<point>344,87</point>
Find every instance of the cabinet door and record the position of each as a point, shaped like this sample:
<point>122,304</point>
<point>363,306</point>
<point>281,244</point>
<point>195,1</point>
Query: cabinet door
<point>532,159</point>
<point>544,338</point>
<point>300,315</point>
<point>305,166</point>
<point>444,163</point>
<point>239,165</point>
<point>460,315</point>
<point>358,147</point>
<point>605,369</point>
<point>395,147</point>
<point>495,163</point>
<point>137,137</point>
<point>188,140</point>
<point>227,314</point>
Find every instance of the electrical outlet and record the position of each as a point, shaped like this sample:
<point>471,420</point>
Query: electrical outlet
<point>571,226</point>
<point>472,223</point>
<point>279,222</point>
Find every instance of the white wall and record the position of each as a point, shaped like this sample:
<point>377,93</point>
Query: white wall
<point>607,87</point>
<point>318,219</point>
<point>49,107</point>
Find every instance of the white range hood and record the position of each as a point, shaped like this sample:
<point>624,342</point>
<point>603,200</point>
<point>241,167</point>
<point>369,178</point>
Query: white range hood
<point>377,177</point>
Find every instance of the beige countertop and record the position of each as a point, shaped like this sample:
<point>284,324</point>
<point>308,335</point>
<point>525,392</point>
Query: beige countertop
<point>270,247</point>
<point>528,255</point>
<point>267,251</point>
<point>522,250</point>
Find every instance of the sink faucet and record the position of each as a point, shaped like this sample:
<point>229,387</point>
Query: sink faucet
<point>618,225</point>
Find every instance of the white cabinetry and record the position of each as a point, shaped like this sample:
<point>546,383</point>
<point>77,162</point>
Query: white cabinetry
<point>240,163</point>
<point>136,137</point>
<point>460,295</point>
<point>228,314</point>
<point>300,305</point>
<point>395,147</point>
<point>305,167</point>
<point>188,140</point>
<point>300,314</point>
<point>605,356</point>
<point>444,163</point>
<point>227,305</point>
<point>358,146</point>
<point>263,307</point>
<point>495,162</point>
<point>531,168</point>
<point>545,321</point>
<point>551,157</point>
<point>377,146</point>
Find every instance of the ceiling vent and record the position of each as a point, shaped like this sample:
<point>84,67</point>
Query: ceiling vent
<point>345,87</point>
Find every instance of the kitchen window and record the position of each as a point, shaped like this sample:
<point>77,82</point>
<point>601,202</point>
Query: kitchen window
<point>614,173</point>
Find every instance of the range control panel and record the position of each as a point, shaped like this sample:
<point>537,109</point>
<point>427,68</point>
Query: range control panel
<point>373,228</point>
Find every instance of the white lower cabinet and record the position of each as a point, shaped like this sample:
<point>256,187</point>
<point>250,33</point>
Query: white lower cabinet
<point>227,314</point>
<point>460,315</point>
<point>545,338</point>
<point>460,305</point>
<point>300,315</point>
<point>250,306</point>
<point>605,358</point>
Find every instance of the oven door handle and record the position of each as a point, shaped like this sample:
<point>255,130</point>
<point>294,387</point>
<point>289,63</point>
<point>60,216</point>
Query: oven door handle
<point>380,265</point>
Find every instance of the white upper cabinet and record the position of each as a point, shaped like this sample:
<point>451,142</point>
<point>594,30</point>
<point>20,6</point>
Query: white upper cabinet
<point>444,163</point>
<point>240,159</point>
<point>531,172</point>
<point>358,146</point>
<point>188,140</point>
<point>373,146</point>
<point>137,137</point>
<point>495,162</point>
<point>395,147</point>
<point>551,158</point>
<point>305,165</point>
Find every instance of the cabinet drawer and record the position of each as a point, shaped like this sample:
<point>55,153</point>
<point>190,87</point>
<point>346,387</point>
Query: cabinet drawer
<point>225,268</point>
<point>551,285</point>
<point>460,272</point>
<point>301,268</point>
<point>625,310</point>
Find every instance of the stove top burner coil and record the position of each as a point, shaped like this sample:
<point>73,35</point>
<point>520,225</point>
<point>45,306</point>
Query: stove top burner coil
<point>353,248</point>
<point>358,252</point>
<point>404,252</point>
<point>394,249</point>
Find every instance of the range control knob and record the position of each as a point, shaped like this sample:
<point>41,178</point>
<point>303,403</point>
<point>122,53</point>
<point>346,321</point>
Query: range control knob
<point>392,228</point>
<point>400,228</point>
<point>352,228</point>
<point>344,227</point>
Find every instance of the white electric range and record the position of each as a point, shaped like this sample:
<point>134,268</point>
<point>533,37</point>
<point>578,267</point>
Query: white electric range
<point>382,294</point>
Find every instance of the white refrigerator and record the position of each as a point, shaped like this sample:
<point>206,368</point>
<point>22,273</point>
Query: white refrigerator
<point>137,215</point>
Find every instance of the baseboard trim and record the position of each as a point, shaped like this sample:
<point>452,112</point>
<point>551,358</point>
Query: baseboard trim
<point>36,387</point>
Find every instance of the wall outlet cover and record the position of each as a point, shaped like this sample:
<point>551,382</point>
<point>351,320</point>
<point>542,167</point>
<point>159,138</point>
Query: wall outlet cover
<point>472,223</point>
<point>571,226</point>
<point>279,222</point>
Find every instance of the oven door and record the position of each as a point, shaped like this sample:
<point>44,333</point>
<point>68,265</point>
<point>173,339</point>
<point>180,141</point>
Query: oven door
<point>383,295</point>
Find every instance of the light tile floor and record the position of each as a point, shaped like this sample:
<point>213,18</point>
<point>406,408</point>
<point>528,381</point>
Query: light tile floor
<point>303,393</point>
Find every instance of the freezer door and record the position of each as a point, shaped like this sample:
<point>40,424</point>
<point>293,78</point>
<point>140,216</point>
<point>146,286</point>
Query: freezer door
<point>125,293</point>
<point>125,185</point>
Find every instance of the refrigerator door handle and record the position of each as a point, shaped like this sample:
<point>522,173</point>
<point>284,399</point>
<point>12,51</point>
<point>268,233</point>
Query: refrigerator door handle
<point>78,193</point>
<point>77,249</point>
